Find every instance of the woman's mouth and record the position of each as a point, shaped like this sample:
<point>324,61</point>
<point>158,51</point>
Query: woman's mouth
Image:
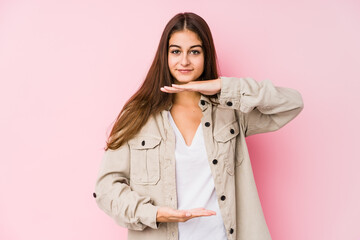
<point>184,71</point>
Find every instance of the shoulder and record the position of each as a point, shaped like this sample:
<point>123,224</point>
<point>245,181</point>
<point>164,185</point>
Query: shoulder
<point>153,126</point>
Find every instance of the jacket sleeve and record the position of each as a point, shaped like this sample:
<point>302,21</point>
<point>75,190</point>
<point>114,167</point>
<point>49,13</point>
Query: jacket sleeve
<point>115,197</point>
<point>262,107</point>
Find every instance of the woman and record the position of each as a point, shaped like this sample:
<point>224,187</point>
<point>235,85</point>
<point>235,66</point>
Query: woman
<point>176,164</point>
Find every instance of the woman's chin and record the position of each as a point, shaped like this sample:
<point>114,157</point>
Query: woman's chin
<point>184,80</point>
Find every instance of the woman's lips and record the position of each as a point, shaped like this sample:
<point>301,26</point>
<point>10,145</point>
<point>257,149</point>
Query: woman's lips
<point>184,71</point>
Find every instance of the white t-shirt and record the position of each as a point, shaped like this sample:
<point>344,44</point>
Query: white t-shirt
<point>195,188</point>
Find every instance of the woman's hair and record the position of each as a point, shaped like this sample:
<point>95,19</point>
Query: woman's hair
<point>149,99</point>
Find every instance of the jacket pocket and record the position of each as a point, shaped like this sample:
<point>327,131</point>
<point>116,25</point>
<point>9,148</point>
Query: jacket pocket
<point>145,160</point>
<point>226,144</point>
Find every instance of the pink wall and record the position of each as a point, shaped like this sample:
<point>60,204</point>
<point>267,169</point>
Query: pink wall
<point>67,67</point>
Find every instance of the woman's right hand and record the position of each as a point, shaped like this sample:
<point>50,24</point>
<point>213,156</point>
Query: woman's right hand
<point>166,214</point>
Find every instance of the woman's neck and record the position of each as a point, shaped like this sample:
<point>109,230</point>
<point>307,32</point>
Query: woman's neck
<point>187,99</point>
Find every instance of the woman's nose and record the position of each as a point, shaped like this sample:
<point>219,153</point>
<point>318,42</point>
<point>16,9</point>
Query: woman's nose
<point>185,60</point>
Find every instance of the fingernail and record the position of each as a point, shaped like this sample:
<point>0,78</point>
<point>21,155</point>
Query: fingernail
<point>188,214</point>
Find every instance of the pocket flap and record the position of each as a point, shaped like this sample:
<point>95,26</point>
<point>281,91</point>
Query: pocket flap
<point>227,132</point>
<point>144,142</point>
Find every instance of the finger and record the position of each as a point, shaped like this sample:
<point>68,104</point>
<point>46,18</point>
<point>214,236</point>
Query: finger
<point>185,215</point>
<point>202,212</point>
<point>180,216</point>
<point>205,213</point>
<point>170,90</point>
<point>187,87</point>
<point>174,89</point>
<point>165,90</point>
<point>201,215</point>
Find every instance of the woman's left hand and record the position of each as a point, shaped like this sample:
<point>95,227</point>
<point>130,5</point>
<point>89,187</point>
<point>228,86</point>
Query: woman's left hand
<point>207,87</point>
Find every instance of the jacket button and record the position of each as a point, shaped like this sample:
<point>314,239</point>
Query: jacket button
<point>214,161</point>
<point>231,231</point>
<point>232,131</point>
<point>94,195</point>
<point>202,102</point>
<point>207,124</point>
<point>223,198</point>
<point>143,143</point>
<point>229,104</point>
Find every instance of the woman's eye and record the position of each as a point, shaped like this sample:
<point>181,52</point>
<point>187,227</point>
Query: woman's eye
<point>195,52</point>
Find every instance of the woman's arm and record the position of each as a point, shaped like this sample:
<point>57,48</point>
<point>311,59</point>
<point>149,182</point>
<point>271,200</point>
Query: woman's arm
<point>262,106</point>
<point>115,197</point>
<point>130,210</point>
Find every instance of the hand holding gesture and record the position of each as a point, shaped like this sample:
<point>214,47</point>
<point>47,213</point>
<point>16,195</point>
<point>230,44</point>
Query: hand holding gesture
<point>207,87</point>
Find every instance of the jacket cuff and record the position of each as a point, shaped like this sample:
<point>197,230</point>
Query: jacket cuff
<point>149,216</point>
<point>230,95</point>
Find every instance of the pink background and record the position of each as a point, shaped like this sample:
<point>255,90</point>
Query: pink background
<point>67,67</point>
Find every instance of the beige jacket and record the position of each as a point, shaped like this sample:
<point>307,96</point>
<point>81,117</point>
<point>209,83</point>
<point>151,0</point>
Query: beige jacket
<point>137,178</point>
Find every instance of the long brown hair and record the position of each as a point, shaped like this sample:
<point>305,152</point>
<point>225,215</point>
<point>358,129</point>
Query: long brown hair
<point>149,99</point>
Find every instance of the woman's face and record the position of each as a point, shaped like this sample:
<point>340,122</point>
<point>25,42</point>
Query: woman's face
<point>185,56</point>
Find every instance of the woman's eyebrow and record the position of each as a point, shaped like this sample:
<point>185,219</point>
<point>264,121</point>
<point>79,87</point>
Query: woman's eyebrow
<point>173,45</point>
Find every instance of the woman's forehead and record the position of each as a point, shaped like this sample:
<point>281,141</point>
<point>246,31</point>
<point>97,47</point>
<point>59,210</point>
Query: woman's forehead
<point>184,38</point>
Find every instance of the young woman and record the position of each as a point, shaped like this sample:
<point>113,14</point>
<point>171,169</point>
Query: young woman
<point>176,165</point>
